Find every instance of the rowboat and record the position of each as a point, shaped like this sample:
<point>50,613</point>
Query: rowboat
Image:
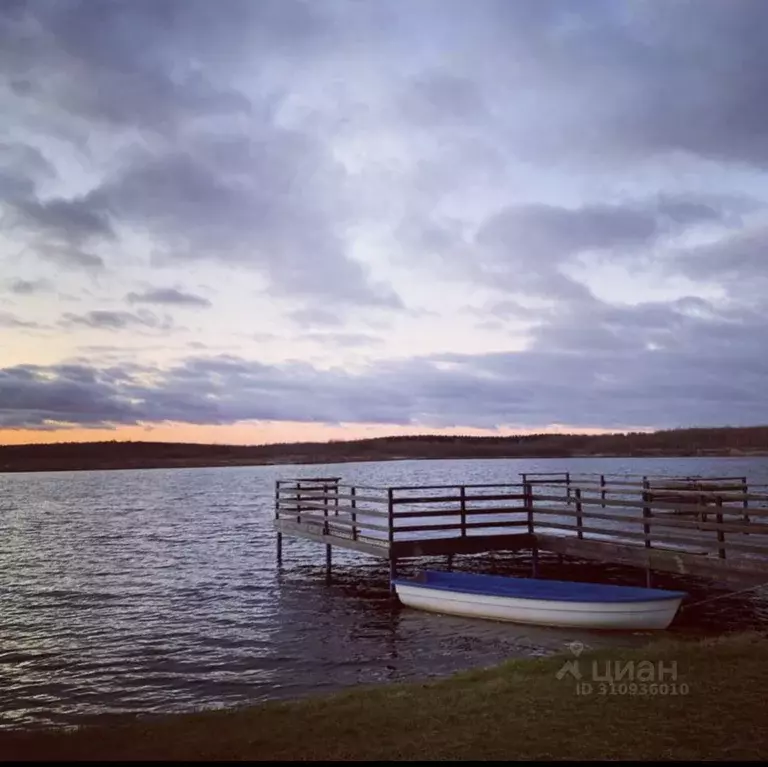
<point>540,602</point>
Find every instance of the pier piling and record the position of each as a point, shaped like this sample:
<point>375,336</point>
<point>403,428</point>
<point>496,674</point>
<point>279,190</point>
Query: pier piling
<point>535,562</point>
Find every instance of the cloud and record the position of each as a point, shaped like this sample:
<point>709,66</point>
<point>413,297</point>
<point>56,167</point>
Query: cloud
<point>112,65</point>
<point>102,319</point>
<point>34,396</point>
<point>59,230</point>
<point>525,157</point>
<point>63,219</point>
<point>529,247</point>
<point>439,98</point>
<point>340,339</point>
<point>709,105</point>
<point>29,287</point>
<point>737,261</point>
<point>615,82</point>
<point>21,167</point>
<point>536,233</point>
<point>179,153</point>
<point>654,364</point>
<point>214,202</point>
<point>9,320</point>
<point>69,257</point>
<point>167,296</point>
<point>316,316</point>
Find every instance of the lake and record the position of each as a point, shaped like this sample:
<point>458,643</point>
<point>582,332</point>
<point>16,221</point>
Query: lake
<point>136,592</point>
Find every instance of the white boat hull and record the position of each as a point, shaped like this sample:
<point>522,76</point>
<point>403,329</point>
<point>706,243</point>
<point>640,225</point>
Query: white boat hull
<point>641,615</point>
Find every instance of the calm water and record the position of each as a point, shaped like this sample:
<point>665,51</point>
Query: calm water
<point>156,591</point>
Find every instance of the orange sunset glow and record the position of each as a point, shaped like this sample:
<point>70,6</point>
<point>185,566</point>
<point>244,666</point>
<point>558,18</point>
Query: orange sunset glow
<point>243,434</point>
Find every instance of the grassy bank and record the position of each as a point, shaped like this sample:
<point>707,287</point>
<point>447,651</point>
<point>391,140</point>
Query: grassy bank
<point>520,710</point>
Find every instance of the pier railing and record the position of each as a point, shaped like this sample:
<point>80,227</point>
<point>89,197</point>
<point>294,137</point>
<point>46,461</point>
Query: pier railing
<point>720,518</point>
<point>398,516</point>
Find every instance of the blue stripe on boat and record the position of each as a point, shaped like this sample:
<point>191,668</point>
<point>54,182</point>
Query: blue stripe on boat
<point>531,588</point>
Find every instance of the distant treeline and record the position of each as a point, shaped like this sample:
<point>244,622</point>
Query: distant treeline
<point>136,455</point>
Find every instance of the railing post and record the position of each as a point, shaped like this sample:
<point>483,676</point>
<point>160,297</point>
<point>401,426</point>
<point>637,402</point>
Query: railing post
<point>646,512</point>
<point>720,532</point>
<point>277,519</point>
<point>579,518</point>
<point>391,536</point>
<point>353,504</point>
<point>463,506</point>
<point>326,529</point>
<point>745,502</point>
<point>528,504</point>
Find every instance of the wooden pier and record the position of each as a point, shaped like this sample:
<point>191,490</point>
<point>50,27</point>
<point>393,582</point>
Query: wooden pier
<point>712,527</point>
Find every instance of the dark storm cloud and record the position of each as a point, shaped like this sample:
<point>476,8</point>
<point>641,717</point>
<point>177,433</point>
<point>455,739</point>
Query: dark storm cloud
<point>102,319</point>
<point>168,296</point>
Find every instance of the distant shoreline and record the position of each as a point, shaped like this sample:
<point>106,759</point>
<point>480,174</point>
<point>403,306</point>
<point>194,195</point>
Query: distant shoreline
<point>115,456</point>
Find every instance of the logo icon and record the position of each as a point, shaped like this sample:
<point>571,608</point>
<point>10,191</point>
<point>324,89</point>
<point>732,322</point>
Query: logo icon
<point>571,667</point>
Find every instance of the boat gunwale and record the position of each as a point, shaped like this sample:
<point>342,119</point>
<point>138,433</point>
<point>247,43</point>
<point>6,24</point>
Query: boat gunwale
<point>602,591</point>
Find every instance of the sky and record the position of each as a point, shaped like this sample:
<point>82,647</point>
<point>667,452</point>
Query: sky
<point>273,220</point>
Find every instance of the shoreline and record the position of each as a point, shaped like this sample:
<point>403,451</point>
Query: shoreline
<point>115,455</point>
<point>332,460</point>
<point>702,699</point>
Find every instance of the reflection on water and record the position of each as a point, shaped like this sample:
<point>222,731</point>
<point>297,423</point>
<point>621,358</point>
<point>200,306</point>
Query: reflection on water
<point>156,591</point>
